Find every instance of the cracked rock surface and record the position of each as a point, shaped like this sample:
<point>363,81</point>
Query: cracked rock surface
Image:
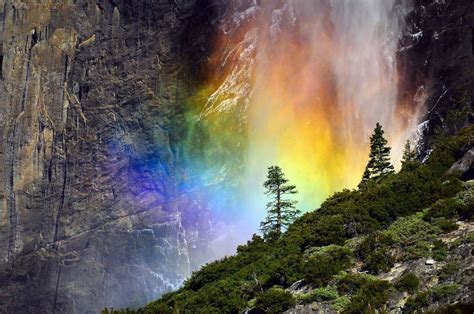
<point>92,95</point>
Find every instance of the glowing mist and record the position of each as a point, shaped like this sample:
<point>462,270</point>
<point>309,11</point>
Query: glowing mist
<point>301,84</point>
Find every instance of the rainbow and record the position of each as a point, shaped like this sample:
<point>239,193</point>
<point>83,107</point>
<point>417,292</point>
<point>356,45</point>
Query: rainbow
<point>299,85</point>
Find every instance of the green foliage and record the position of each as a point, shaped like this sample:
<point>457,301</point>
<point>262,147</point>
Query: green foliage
<point>413,235</point>
<point>321,266</point>
<point>374,250</point>
<point>379,159</point>
<point>320,295</point>
<point>371,296</point>
<point>409,155</point>
<point>417,302</point>
<point>445,225</point>
<point>445,208</point>
<point>408,282</point>
<point>281,212</point>
<point>424,299</point>
<point>341,303</point>
<point>273,300</point>
<point>441,292</point>
<point>448,270</point>
<point>350,283</point>
<point>439,251</point>
<point>411,229</point>
<point>386,216</point>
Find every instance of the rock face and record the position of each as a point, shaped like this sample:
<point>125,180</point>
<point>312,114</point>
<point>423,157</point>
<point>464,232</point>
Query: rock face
<point>92,207</point>
<point>436,65</point>
<point>92,94</point>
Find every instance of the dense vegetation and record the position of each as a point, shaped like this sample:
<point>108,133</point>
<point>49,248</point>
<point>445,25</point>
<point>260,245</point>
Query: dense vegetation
<point>402,212</point>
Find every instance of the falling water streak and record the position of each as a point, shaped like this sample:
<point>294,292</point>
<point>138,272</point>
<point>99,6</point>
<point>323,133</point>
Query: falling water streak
<point>325,74</point>
<point>302,85</point>
<point>366,34</point>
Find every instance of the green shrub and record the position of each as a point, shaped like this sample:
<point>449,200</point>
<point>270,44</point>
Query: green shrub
<point>273,300</point>
<point>466,212</point>
<point>351,283</point>
<point>371,296</point>
<point>442,292</point>
<point>417,250</point>
<point>408,282</point>
<point>435,294</point>
<point>410,229</point>
<point>375,253</point>
<point>414,235</point>
<point>319,295</point>
<point>325,294</point>
<point>449,270</point>
<point>322,265</point>
<point>445,225</point>
<point>447,208</point>
<point>416,303</point>
<point>341,303</point>
<point>439,251</point>
<point>469,237</point>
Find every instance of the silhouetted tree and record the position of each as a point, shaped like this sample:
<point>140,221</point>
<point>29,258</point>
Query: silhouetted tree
<point>280,211</point>
<point>379,159</point>
<point>409,154</point>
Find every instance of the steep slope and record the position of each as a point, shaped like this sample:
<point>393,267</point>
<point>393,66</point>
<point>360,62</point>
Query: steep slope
<point>92,97</point>
<point>403,243</point>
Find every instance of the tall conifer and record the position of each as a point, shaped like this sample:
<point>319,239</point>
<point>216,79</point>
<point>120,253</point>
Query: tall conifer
<point>281,211</point>
<point>379,159</point>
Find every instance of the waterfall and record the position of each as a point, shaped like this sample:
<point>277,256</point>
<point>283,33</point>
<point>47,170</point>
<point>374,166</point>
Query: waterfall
<point>305,82</point>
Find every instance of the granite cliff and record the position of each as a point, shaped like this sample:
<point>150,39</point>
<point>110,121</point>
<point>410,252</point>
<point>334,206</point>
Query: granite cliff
<point>92,107</point>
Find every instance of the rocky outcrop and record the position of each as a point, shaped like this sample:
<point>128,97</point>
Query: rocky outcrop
<point>464,166</point>
<point>456,269</point>
<point>436,66</point>
<point>91,210</point>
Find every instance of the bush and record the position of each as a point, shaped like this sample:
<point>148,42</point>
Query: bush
<point>416,303</point>
<point>322,265</point>
<point>340,304</point>
<point>413,235</point>
<point>449,270</point>
<point>447,208</point>
<point>374,251</point>
<point>445,225</point>
<point>320,295</point>
<point>435,294</point>
<point>439,251</point>
<point>351,283</point>
<point>408,282</point>
<point>371,296</point>
<point>273,300</point>
<point>442,292</point>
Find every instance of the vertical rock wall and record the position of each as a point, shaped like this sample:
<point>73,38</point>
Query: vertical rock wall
<point>436,66</point>
<point>92,99</point>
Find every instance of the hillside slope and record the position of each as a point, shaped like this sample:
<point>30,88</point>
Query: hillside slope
<point>404,243</point>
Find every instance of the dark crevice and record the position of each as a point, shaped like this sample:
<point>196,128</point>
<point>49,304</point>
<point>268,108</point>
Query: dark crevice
<point>58,277</point>
<point>10,189</point>
<point>1,66</point>
<point>1,61</point>
<point>63,195</point>
<point>34,38</point>
<point>27,77</point>
<point>472,40</point>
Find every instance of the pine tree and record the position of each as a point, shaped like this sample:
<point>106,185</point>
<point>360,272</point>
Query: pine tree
<point>280,211</point>
<point>379,159</point>
<point>409,154</point>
